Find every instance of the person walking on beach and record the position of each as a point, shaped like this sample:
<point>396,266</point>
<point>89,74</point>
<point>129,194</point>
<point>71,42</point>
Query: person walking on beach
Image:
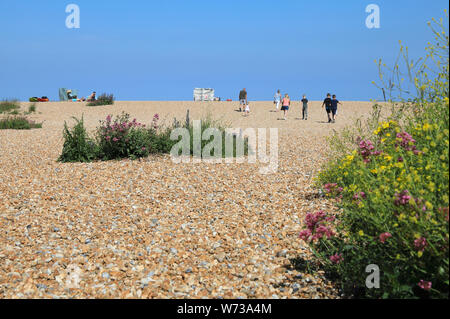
<point>242,99</point>
<point>334,106</point>
<point>247,110</point>
<point>277,99</point>
<point>305,108</point>
<point>286,104</point>
<point>327,104</point>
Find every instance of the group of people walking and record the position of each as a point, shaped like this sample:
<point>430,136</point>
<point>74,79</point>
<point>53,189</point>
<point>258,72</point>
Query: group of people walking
<point>284,103</point>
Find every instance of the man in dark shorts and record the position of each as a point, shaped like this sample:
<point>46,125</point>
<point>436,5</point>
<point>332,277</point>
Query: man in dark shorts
<point>334,106</point>
<point>242,99</point>
<point>327,104</point>
<point>305,108</point>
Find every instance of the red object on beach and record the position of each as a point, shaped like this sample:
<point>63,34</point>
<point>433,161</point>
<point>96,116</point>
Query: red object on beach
<point>43,99</point>
<point>229,100</point>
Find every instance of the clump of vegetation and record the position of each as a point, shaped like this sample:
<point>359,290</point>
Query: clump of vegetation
<point>9,106</point>
<point>32,108</point>
<point>207,124</point>
<point>18,123</point>
<point>390,177</point>
<point>125,138</point>
<point>78,147</point>
<point>104,99</point>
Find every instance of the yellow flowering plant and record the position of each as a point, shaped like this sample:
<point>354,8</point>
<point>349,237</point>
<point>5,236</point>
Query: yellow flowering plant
<point>390,178</point>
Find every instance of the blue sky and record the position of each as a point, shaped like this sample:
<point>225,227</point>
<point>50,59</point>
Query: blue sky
<point>162,50</point>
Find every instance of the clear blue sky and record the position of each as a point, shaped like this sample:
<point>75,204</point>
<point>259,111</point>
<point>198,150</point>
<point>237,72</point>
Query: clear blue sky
<point>161,50</point>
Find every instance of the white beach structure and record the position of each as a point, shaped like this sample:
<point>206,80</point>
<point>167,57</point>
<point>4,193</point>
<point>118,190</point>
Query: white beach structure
<point>203,94</point>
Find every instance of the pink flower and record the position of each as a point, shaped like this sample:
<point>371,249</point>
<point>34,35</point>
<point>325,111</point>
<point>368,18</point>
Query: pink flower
<point>322,231</point>
<point>384,237</point>
<point>420,244</point>
<point>366,149</point>
<point>403,198</point>
<point>359,195</point>
<point>305,235</point>
<point>425,285</point>
<point>108,138</point>
<point>337,258</point>
<point>144,149</point>
<point>115,139</point>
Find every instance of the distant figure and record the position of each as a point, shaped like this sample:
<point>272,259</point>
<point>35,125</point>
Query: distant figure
<point>334,106</point>
<point>70,97</point>
<point>305,108</point>
<point>91,97</point>
<point>247,110</point>
<point>286,104</point>
<point>277,99</point>
<point>327,104</point>
<point>242,99</point>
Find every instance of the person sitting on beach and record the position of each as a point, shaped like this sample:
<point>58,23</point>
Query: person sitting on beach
<point>286,104</point>
<point>91,97</point>
<point>71,97</point>
<point>242,99</point>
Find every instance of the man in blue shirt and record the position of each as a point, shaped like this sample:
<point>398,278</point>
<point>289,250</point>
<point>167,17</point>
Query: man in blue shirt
<point>334,106</point>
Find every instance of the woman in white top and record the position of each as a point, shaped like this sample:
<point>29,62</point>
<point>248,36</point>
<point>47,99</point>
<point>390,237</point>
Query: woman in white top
<point>277,99</point>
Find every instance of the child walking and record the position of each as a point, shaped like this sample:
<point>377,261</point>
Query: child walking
<point>247,109</point>
<point>286,104</point>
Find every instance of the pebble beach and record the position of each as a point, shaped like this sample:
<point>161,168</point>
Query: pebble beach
<point>152,228</point>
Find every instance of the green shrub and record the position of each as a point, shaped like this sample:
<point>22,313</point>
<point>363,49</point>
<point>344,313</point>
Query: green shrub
<point>78,147</point>
<point>8,106</point>
<point>104,99</point>
<point>390,179</point>
<point>124,138</point>
<point>18,123</point>
<point>208,123</point>
<point>32,108</point>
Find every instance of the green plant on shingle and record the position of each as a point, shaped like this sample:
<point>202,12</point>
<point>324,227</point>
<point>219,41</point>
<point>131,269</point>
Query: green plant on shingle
<point>18,123</point>
<point>389,177</point>
<point>8,106</point>
<point>209,123</point>
<point>78,147</point>
<point>32,108</point>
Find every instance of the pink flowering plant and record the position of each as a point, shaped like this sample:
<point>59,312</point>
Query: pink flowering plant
<point>390,181</point>
<point>125,138</point>
<point>116,138</point>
